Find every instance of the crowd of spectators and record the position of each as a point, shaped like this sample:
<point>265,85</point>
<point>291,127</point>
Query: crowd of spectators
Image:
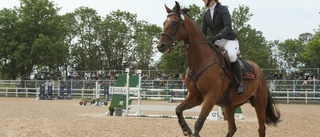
<point>174,80</point>
<point>308,77</point>
<point>159,80</point>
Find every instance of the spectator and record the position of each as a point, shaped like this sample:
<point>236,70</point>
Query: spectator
<point>144,76</point>
<point>177,76</point>
<point>271,76</point>
<point>275,76</point>
<point>300,75</point>
<point>116,76</point>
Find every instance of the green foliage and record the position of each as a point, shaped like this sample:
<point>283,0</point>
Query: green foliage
<point>49,52</point>
<point>174,61</point>
<point>9,43</point>
<point>311,54</point>
<point>125,41</point>
<point>93,101</point>
<point>290,53</point>
<point>34,36</point>
<point>85,51</point>
<point>36,32</point>
<point>37,37</point>
<point>253,45</point>
<point>240,18</point>
<point>119,106</point>
<point>145,37</point>
<point>111,108</point>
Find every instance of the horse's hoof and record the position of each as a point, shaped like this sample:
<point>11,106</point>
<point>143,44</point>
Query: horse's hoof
<point>195,135</point>
<point>185,133</point>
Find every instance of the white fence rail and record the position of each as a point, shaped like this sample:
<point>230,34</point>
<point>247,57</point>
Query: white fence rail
<point>286,91</point>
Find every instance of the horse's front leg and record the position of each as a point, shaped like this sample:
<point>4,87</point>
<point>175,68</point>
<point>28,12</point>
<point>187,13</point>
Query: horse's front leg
<point>188,103</point>
<point>206,108</point>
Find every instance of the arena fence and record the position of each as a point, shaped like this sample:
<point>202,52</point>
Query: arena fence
<point>286,91</point>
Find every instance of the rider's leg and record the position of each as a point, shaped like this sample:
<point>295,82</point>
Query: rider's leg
<point>232,46</point>
<point>237,70</point>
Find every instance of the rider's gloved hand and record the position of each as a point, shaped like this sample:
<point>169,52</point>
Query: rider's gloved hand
<point>213,39</point>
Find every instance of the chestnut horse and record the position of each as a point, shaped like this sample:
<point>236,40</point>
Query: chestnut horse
<point>210,81</point>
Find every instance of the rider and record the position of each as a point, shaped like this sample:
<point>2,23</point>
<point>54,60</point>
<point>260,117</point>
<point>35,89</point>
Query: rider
<point>217,19</point>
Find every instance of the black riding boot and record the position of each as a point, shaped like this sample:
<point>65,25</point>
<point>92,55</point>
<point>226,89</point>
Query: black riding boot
<point>237,70</point>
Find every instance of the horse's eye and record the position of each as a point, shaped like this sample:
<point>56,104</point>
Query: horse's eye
<point>174,24</point>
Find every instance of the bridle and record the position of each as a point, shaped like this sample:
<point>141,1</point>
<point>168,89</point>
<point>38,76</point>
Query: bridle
<point>173,37</point>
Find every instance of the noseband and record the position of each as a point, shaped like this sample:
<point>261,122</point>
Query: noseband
<point>173,38</point>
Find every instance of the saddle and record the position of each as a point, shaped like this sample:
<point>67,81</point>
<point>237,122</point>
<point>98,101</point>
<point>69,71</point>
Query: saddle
<point>248,71</point>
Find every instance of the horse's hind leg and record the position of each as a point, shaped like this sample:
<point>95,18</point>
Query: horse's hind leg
<point>188,103</point>
<point>229,114</point>
<point>260,108</point>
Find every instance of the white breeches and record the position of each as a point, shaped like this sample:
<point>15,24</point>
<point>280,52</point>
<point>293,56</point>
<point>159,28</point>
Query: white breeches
<point>232,46</point>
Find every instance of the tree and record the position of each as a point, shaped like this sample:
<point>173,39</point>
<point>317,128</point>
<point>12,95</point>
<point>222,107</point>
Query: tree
<point>304,38</point>
<point>70,23</point>
<point>120,37</point>
<point>240,18</point>
<point>176,61</point>
<point>83,39</point>
<point>311,54</point>
<point>34,21</point>
<point>112,43</point>
<point>275,57</point>
<point>293,52</point>
<point>9,44</point>
<point>290,51</point>
<point>196,13</point>
<point>253,45</point>
<point>146,35</point>
<point>48,52</point>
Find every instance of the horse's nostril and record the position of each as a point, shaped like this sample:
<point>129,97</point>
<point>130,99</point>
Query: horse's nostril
<point>161,46</point>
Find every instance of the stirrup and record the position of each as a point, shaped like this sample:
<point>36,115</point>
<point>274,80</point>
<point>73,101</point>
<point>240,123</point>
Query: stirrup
<point>240,89</point>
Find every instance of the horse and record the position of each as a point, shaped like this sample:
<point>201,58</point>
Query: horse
<point>209,80</point>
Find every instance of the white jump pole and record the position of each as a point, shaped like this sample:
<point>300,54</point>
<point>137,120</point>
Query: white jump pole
<point>127,87</point>
<point>139,86</point>
<point>127,92</point>
<point>97,93</point>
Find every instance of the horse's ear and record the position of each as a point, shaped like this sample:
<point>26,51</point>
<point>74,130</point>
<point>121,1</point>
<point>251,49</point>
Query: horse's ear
<point>168,9</point>
<point>177,7</point>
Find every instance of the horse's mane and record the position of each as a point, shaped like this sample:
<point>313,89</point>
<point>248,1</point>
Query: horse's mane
<point>183,10</point>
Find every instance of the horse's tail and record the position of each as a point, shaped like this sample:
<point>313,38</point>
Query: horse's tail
<point>272,111</point>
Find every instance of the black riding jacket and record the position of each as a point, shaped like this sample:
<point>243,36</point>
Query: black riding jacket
<point>221,25</point>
